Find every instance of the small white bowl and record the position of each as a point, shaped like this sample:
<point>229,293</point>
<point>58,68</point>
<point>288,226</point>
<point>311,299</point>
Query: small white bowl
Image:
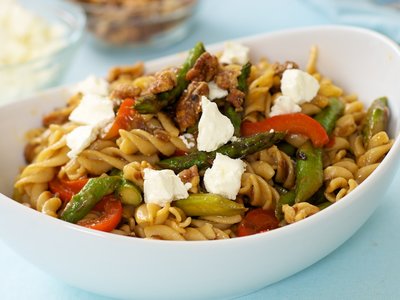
<point>358,60</point>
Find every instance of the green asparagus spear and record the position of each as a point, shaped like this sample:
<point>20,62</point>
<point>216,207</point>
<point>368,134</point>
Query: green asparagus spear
<point>129,193</point>
<point>154,103</point>
<point>376,119</point>
<point>328,116</point>
<point>242,78</point>
<point>318,197</point>
<point>309,172</point>
<point>287,148</point>
<point>237,149</point>
<point>288,198</point>
<point>324,205</point>
<point>234,115</point>
<point>209,205</point>
<point>94,190</point>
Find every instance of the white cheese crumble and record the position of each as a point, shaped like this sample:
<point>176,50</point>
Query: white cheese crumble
<point>93,110</point>
<point>235,53</point>
<point>162,187</point>
<point>25,35</point>
<point>92,85</point>
<point>80,138</point>
<point>215,92</point>
<point>188,140</point>
<point>300,86</point>
<point>284,105</point>
<point>297,87</point>
<point>215,129</point>
<point>224,177</point>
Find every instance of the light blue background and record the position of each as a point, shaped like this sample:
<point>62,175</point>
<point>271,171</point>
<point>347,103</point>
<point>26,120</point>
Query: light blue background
<point>367,266</point>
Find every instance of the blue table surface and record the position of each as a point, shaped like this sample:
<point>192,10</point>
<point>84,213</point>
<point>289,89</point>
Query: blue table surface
<point>367,266</point>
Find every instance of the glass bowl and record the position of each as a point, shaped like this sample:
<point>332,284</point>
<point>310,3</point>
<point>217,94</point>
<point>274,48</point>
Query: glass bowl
<point>138,22</point>
<point>46,66</point>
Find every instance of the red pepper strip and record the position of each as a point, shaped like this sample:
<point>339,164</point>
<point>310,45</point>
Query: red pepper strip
<point>256,221</point>
<point>291,123</point>
<point>110,209</point>
<point>66,189</point>
<point>123,118</point>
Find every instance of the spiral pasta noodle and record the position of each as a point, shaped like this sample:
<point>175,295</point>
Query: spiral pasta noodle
<point>377,148</point>
<point>140,141</point>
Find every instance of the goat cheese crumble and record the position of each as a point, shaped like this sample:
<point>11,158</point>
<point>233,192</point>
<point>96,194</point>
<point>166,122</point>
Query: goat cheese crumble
<point>297,87</point>
<point>163,186</point>
<point>94,112</point>
<point>235,53</point>
<point>224,177</point>
<point>215,129</point>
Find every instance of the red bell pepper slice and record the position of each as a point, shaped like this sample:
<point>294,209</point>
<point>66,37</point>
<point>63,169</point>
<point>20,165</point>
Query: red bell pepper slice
<point>110,209</point>
<point>66,189</point>
<point>256,221</point>
<point>291,123</point>
<point>123,119</point>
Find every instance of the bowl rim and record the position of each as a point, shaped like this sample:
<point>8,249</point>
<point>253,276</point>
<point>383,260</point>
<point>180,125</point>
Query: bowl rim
<point>69,11</point>
<point>305,223</point>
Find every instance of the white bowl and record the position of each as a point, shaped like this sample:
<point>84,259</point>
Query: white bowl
<point>359,60</point>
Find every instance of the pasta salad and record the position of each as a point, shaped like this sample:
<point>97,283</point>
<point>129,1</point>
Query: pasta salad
<point>218,147</point>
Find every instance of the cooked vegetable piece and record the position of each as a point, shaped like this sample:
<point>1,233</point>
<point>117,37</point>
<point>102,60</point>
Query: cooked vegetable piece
<point>309,172</point>
<point>328,116</point>
<point>123,118</point>
<point>129,193</point>
<point>291,123</point>
<point>94,190</point>
<point>150,104</point>
<point>237,149</point>
<point>287,148</point>
<point>66,189</point>
<point>234,115</point>
<point>324,205</point>
<point>256,221</point>
<point>376,120</point>
<point>288,198</point>
<point>197,205</point>
<point>318,197</point>
<point>242,78</point>
<point>110,210</point>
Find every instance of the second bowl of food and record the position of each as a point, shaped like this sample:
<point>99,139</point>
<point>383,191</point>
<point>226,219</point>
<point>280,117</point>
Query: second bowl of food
<point>236,167</point>
<point>137,23</point>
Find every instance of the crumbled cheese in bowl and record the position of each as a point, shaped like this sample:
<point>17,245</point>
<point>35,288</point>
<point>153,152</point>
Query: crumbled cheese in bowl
<point>297,87</point>
<point>26,36</point>
<point>163,186</point>
<point>215,129</point>
<point>223,178</point>
<point>94,112</point>
<point>300,86</point>
<point>284,105</point>
<point>30,37</point>
<point>235,53</point>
